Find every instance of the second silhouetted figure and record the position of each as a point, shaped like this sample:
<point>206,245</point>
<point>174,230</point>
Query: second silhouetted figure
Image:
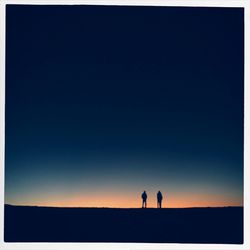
<point>159,199</point>
<point>144,199</point>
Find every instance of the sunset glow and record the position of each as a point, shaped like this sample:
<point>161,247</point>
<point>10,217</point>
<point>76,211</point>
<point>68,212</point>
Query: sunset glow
<point>121,200</point>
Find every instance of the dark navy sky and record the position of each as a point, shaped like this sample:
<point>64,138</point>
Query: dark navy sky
<point>104,102</point>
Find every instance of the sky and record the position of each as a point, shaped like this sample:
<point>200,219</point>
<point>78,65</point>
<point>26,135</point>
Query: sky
<point>104,102</point>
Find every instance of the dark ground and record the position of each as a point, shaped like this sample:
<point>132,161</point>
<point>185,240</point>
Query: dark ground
<point>190,225</point>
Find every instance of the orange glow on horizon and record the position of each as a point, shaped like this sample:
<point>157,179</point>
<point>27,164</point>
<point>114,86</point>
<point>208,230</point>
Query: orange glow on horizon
<point>116,201</point>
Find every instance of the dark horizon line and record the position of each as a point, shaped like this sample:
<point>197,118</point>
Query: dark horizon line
<point>37,206</point>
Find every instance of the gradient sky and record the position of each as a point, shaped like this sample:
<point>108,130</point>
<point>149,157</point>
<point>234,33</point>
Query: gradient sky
<point>105,102</point>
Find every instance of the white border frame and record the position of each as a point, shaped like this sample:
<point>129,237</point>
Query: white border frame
<point>180,3</point>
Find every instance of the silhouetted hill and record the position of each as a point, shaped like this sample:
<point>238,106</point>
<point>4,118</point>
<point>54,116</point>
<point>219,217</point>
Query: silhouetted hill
<point>168,225</point>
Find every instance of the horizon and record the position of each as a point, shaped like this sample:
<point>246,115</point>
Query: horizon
<point>40,206</point>
<point>169,201</point>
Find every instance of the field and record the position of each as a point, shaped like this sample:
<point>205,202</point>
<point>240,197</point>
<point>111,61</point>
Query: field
<point>167,225</point>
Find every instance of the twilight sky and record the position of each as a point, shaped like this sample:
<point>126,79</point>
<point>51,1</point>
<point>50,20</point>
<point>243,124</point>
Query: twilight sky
<point>105,102</point>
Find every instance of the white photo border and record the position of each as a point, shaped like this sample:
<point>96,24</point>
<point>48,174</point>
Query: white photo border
<point>137,246</point>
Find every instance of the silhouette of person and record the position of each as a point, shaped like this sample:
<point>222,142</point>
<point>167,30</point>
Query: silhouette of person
<point>144,199</point>
<point>159,199</point>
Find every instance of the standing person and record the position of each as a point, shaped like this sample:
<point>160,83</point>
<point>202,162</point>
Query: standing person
<point>144,199</point>
<point>159,199</point>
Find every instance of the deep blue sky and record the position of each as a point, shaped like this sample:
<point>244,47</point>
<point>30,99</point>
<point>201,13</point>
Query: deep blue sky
<point>109,101</point>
